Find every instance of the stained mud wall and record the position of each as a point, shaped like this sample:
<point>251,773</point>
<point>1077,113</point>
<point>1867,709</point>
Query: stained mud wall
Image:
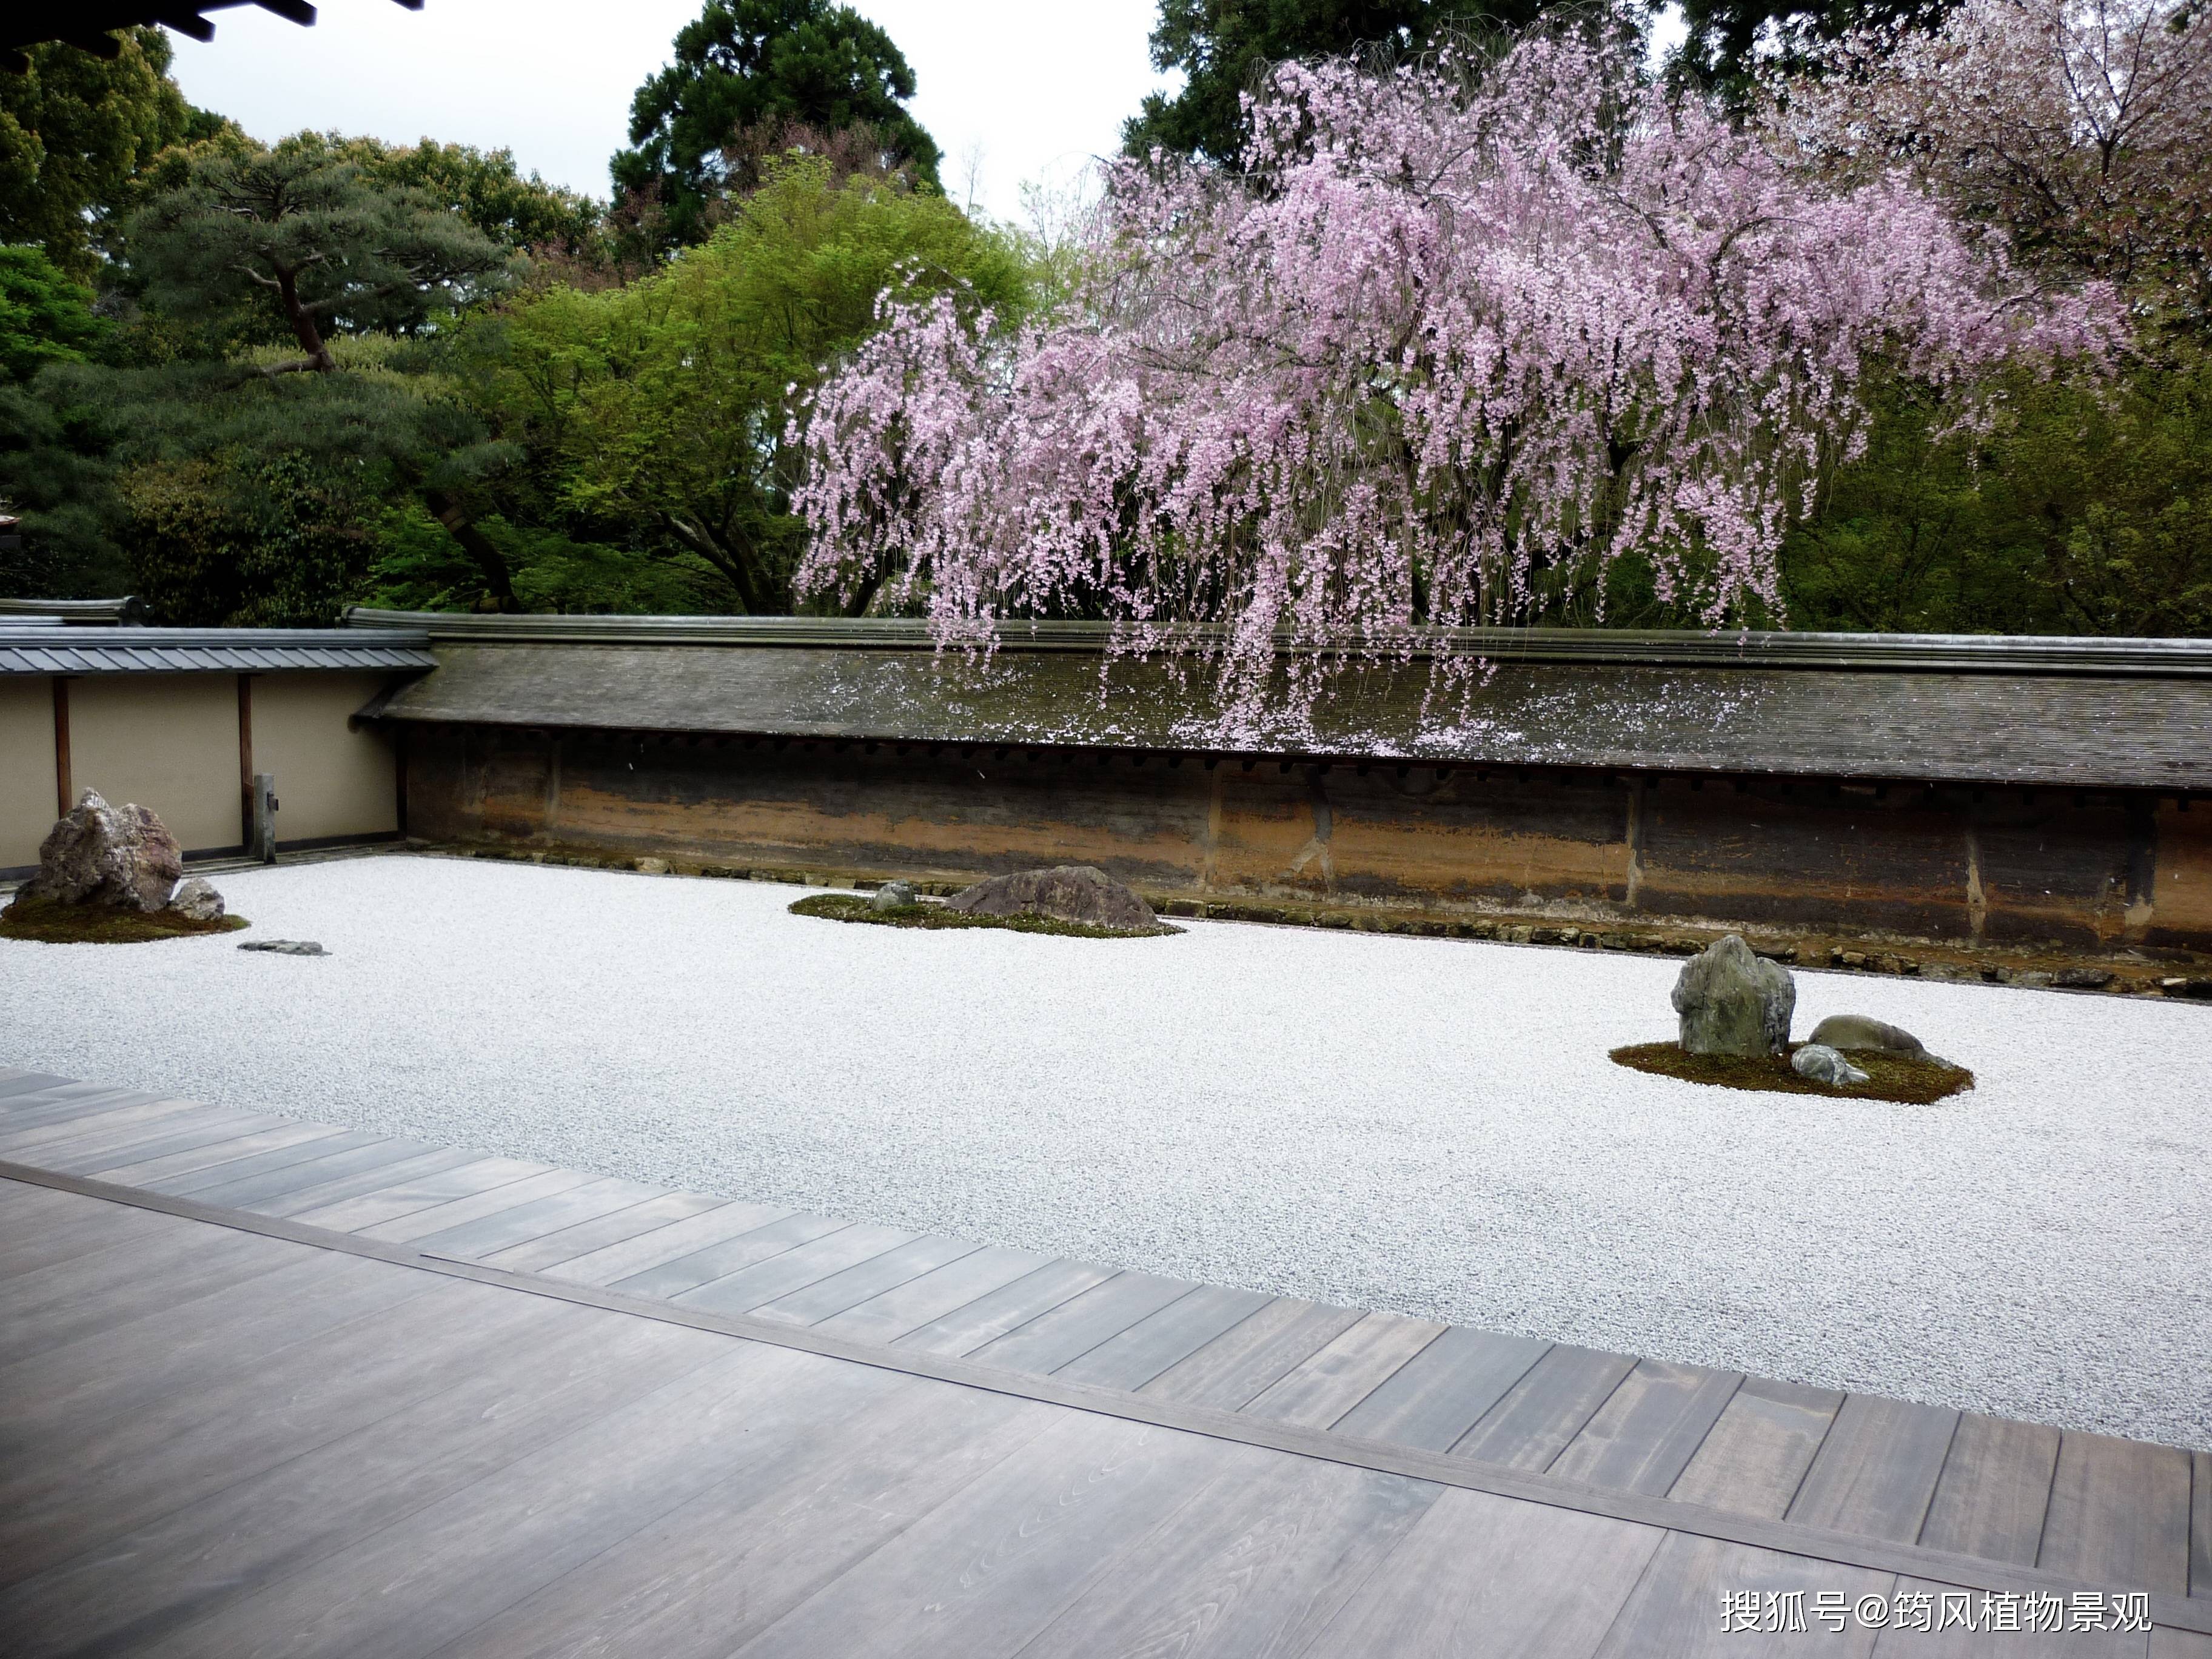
<point>2001,867</point>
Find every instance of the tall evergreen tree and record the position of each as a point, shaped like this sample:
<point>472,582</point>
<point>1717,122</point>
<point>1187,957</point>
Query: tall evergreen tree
<point>746,65</point>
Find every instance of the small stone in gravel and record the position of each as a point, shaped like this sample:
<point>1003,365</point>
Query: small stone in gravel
<point>197,900</point>
<point>1822,1064</point>
<point>1732,1002</point>
<point>2083,979</point>
<point>1862,1031</point>
<point>1071,892</point>
<point>2197,989</point>
<point>893,895</point>
<point>650,867</point>
<point>286,947</point>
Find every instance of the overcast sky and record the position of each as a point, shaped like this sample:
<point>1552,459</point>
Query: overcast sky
<point>1028,89</point>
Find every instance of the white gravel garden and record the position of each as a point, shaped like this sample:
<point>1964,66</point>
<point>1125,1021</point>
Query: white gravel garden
<point>1422,1124</point>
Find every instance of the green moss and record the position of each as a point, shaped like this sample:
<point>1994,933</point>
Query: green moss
<point>51,923</point>
<point>1912,1081</point>
<point>849,906</point>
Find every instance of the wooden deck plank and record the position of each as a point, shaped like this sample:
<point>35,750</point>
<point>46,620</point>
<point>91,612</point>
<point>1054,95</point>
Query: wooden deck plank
<point>87,1294</point>
<point>1261,1561</point>
<point>16,1080</point>
<point>402,1194</point>
<point>985,1572</point>
<point>2119,1514</point>
<point>1646,1434</point>
<point>785,1231</point>
<point>1542,1412</point>
<point>493,1408</point>
<point>413,1589</point>
<point>1079,1324</point>
<point>1755,1458</point>
<point>190,1182</point>
<point>383,1177</point>
<point>1134,1357</point>
<point>180,1134</point>
<point>712,1574</point>
<point>282,1174</point>
<point>749,1288</point>
<point>1247,1359</point>
<point>627,1258</point>
<point>1876,1469</point>
<point>1995,1489</point>
<point>892,1315</point>
<point>77,1102</point>
<point>1442,1392</point>
<point>1676,1608</point>
<point>2169,1644</point>
<point>976,1323</point>
<point>581,1238</point>
<point>283,1135</point>
<point>62,1234</point>
<point>129,1109</point>
<point>812,1304</point>
<point>99,1135</point>
<point>524,1222</point>
<point>1481,1575</point>
<point>1322,1389</point>
<point>443,1218</point>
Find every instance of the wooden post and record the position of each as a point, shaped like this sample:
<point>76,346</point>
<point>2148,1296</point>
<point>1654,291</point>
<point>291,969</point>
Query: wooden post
<point>65,794</point>
<point>246,762</point>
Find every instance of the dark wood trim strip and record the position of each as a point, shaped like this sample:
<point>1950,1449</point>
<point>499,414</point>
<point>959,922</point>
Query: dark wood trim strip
<point>64,793</point>
<point>246,760</point>
<point>1965,1571</point>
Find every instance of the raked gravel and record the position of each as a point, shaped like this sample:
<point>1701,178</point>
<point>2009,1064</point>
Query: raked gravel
<point>1426,1125</point>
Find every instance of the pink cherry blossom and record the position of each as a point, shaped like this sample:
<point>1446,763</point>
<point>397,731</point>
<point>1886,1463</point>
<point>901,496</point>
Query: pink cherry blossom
<point>1464,332</point>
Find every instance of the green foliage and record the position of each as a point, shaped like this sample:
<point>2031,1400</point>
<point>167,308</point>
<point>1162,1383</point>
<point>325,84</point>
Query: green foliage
<point>482,188</point>
<point>46,316</point>
<point>661,408</point>
<point>1728,40</point>
<point>50,921</point>
<point>1222,47</point>
<point>2086,510</point>
<point>54,473</point>
<point>419,568</point>
<point>74,128</point>
<point>265,542</point>
<point>746,65</point>
<point>304,233</point>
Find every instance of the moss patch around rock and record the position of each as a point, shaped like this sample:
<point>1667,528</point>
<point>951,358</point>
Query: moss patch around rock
<point>849,907</point>
<point>51,923</point>
<point>1910,1080</point>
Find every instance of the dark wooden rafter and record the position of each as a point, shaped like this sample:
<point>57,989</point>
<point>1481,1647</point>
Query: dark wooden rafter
<point>91,26</point>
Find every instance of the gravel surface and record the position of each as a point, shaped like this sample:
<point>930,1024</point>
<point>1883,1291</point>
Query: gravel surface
<point>1426,1125</point>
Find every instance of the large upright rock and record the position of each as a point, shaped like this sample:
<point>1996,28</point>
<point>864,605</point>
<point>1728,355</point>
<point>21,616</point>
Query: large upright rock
<point>103,854</point>
<point>1072,892</point>
<point>1733,1002</point>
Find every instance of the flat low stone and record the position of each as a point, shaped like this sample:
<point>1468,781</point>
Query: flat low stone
<point>1847,1031</point>
<point>893,895</point>
<point>1822,1064</point>
<point>1071,892</point>
<point>286,947</point>
<point>1732,1001</point>
<point>197,901</point>
<point>101,854</point>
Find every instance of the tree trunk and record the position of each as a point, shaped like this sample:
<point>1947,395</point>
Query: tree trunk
<point>446,508</point>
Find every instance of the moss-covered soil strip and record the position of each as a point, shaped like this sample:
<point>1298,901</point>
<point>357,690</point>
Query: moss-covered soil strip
<point>848,906</point>
<point>50,922</point>
<point>1912,1081</point>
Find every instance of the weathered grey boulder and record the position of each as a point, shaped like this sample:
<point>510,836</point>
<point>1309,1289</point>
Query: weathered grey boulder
<point>103,854</point>
<point>893,895</point>
<point>1072,892</point>
<point>1822,1064</point>
<point>197,901</point>
<point>1732,1002</point>
<point>1863,1031</point>
<point>286,947</point>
